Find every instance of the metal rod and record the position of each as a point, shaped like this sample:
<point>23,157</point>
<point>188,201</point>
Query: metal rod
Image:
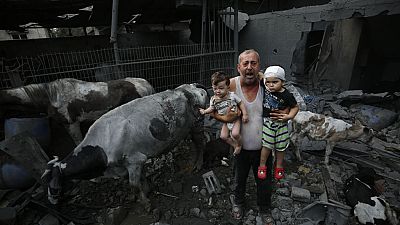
<point>236,32</point>
<point>114,30</point>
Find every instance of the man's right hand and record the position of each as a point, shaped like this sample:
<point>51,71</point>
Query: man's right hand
<point>229,117</point>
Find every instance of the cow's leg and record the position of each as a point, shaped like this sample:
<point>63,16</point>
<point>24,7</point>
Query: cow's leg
<point>74,130</point>
<point>134,165</point>
<point>199,141</point>
<point>328,151</point>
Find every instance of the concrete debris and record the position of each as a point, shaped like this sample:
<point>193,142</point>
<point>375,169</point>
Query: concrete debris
<point>300,194</point>
<point>8,215</point>
<point>212,183</point>
<point>327,212</point>
<point>49,220</point>
<point>351,95</point>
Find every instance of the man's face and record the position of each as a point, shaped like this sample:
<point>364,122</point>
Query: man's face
<point>248,68</point>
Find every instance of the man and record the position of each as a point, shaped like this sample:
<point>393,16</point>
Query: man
<point>247,87</point>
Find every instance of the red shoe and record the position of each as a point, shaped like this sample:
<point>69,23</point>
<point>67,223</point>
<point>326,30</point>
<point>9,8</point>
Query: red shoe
<point>262,172</point>
<point>279,173</point>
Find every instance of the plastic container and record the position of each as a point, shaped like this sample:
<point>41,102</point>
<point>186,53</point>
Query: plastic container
<point>14,176</point>
<point>38,127</point>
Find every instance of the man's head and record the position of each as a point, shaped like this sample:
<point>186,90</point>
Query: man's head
<point>249,67</point>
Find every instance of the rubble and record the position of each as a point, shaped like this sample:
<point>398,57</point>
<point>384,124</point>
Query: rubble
<point>310,193</point>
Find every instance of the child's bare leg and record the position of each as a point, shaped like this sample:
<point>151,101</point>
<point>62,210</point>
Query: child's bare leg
<point>225,135</point>
<point>236,137</point>
<point>279,170</point>
<point>262,169</point>
<point>280,155</point>
<point>265,152</point>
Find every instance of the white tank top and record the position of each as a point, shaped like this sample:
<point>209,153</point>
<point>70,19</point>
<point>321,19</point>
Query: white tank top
<point>251,131</point>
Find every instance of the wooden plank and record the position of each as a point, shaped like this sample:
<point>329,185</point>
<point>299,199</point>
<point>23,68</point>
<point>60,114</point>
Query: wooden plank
<point>330,189</point>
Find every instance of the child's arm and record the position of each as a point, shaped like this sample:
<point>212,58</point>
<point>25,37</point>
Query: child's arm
<point>245,115</point>
<point>206,111</point>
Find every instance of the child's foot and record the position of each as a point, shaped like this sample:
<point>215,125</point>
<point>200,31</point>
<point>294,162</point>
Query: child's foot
<point>279,173</point>
<point>237,150</point>
<point>262,172</point>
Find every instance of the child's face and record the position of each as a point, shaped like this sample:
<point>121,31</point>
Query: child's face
<point>274,84</point>
<point>221,89</point>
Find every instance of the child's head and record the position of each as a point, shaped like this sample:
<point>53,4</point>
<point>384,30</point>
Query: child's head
<point>274,78</point>
<point>220,83</point>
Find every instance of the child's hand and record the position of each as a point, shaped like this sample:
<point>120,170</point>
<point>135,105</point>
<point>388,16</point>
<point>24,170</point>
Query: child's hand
<point>245,118</point>
<point>283,117</point>
<point>202,111</point>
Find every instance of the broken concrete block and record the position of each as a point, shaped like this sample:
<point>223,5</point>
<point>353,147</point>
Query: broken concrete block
<point>49,220</point>
<point>212,183</point>
<point>338,111</point>
<point>351,95</point>
<point>283,191</point>
<point>301,194</point>
<point>7,216</point>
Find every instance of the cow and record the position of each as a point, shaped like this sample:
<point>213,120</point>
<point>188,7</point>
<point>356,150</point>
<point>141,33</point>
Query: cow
<point>362,192</point>
<point>71,101</point>
<point>130,134</point>
<point>325,128</point>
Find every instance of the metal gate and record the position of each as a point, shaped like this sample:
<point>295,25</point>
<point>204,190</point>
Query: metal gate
<point>164,67</point>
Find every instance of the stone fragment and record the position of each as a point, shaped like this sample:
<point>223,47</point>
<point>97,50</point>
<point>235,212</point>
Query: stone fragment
<point>300,194</point>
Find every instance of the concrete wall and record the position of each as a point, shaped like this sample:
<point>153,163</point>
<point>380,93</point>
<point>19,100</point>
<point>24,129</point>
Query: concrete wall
<point>34,33</point>
<point>11,49</point>
<point>282,30</point>
<point>343,42</point>
<point>274,37</point>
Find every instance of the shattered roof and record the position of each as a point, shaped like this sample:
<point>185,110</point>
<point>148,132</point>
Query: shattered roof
<point>20,14</point>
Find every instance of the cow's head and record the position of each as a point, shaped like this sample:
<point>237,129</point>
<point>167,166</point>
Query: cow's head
<point>195,93</point>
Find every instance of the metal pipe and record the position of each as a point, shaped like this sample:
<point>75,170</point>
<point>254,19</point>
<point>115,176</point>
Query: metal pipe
<point>236,32</point>
<point>114,30</point>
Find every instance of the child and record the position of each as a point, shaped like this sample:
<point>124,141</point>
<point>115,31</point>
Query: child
<point>221,100</point>
<point>275,131</point>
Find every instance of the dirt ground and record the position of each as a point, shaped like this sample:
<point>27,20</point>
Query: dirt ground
<point>178,196</point>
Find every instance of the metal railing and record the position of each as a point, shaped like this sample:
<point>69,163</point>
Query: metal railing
<point>163,66</point>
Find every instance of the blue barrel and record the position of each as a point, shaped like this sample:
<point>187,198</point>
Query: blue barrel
<point>38,127</point>
<point>14,176</point>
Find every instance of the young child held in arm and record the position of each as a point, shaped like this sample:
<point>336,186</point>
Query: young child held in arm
<point>275,131</point>
<point>220,102</point>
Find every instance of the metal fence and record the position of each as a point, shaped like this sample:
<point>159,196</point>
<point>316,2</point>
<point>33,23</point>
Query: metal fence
<point>163,66</point>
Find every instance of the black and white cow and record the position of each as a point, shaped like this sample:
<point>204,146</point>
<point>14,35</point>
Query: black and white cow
<point>71,101</point>
<point>362,192</point>
<point>130,134</point>
<point>319,127</point>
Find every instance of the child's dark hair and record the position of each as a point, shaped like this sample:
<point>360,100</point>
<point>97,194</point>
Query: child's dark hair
<point>218,77</point>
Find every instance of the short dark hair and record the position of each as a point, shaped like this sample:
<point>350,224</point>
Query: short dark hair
<point>218,77</point>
